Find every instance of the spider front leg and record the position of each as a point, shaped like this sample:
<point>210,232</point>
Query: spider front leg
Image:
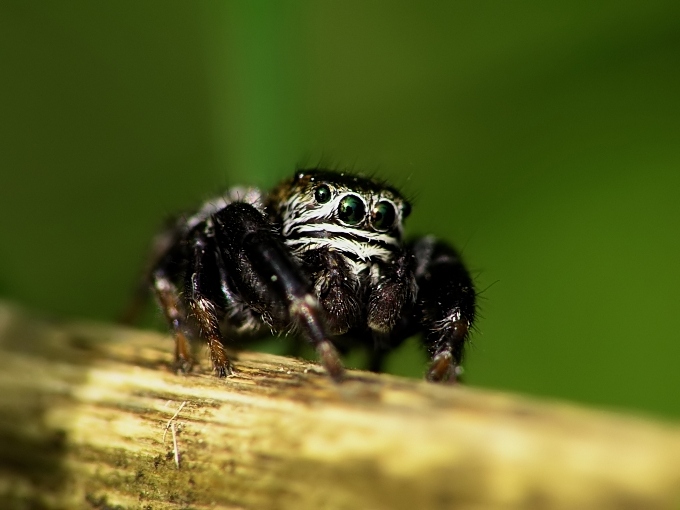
<point>201,304</point>
<point>266,274</point>
<point>446,304</point>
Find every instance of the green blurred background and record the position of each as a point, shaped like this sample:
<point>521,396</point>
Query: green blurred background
<point>542,138</point>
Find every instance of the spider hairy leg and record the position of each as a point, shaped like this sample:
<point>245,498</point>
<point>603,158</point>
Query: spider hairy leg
<point>202,295</point>
<point>446,299</point>
<point>264,267</point>
<point>307,312</point>
<point>171,304</point>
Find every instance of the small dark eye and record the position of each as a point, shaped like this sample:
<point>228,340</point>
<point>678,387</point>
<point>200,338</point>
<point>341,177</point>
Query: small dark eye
<point>351,210</point>
<point>383,216</point>
<point>322,194</point>
<point>406,210</point>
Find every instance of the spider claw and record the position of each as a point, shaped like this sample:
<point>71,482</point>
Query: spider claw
<point>441,368</point>
<point>183,365</point>
<point>223,371</point>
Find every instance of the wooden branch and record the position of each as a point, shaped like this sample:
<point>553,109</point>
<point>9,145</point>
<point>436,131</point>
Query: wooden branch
<point>91,417</point>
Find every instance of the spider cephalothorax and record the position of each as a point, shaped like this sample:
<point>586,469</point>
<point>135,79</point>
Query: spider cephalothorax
<point>346,232</point>
<point>321,255</point>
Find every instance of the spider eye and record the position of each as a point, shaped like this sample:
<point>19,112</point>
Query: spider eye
<point>406,210</point>
<point>322,194</point>
<point>351,210</point>
<point>383,216</point>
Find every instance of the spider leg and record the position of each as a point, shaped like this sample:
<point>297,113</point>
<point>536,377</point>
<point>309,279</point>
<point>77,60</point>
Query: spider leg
<point>445,305</point>
<point>163,274</point>
<point>180,253</point>
<point>205,300</point>
<point>262,269</point>
<point>173,308</point>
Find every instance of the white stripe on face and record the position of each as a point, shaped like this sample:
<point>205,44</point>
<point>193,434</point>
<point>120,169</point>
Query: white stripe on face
<point>359,233</point>
<point>361,250</point>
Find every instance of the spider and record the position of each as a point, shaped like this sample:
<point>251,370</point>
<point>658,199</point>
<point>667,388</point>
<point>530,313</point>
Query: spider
<point>322,256</point>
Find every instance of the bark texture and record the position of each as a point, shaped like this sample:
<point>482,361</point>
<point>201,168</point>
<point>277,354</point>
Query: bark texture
<point>86,421</point>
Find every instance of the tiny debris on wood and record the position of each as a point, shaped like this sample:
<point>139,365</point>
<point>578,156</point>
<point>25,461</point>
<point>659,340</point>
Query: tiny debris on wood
<point>175,449</point>
<point>167,426</point>
<point>171,425</point>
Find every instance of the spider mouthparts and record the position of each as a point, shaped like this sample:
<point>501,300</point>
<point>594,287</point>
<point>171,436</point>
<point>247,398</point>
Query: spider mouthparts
<point>331,360</point>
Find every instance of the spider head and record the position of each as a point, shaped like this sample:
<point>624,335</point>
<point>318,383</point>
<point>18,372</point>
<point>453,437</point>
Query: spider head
<point>355,215</point>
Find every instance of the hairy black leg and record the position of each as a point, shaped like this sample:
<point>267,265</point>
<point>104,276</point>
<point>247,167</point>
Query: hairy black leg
<point>446,305</point>
<point>171,304</point>
<point>204,298</point>
<point>263,266</point>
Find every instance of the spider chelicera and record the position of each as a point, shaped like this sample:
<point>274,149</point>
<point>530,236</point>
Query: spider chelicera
<point>322,256</point>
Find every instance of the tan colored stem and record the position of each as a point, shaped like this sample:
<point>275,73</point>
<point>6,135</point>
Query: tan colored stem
<point>87,420</point>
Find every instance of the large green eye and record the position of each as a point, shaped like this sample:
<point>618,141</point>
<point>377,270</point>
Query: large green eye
<point>351,210</point>
<point>383,216</point>
<point>322,194</point>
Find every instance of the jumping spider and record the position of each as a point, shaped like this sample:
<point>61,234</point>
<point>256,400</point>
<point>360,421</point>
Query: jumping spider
<point>320,255</point>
